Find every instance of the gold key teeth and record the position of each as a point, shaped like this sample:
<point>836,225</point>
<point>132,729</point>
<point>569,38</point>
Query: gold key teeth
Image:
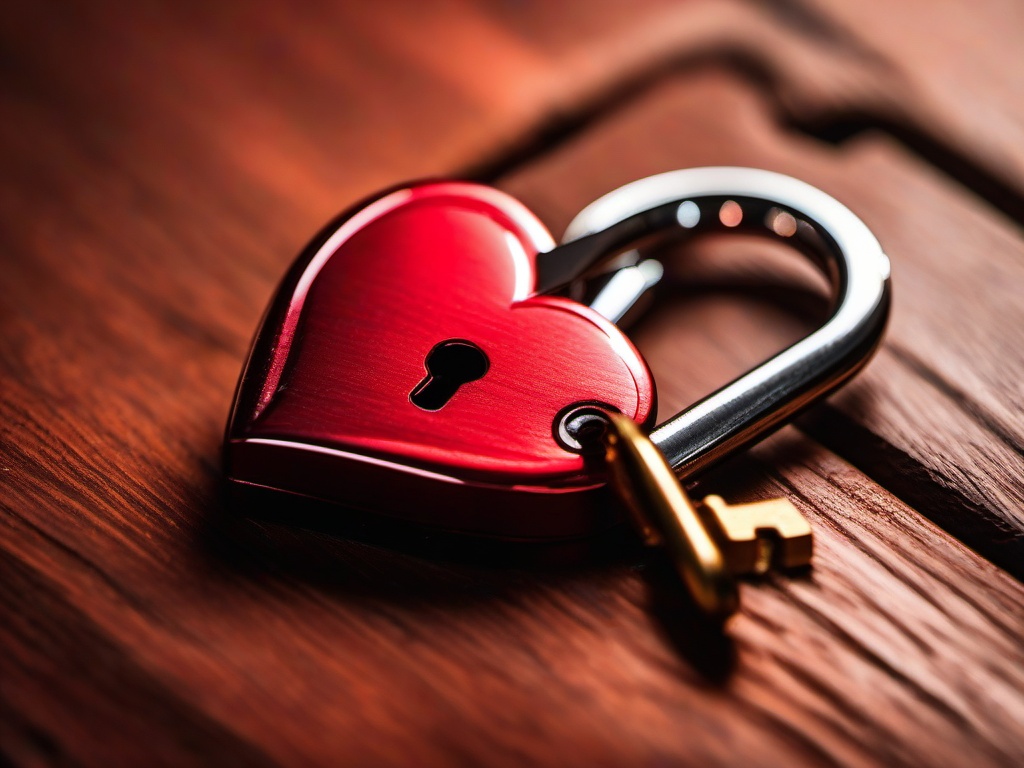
<point>761,535</point>
<point>709,544</point>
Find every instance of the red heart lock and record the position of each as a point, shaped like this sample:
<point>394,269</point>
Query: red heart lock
<point>439,273</point>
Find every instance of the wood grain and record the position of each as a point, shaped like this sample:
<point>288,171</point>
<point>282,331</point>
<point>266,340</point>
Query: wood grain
<point>159,167</point>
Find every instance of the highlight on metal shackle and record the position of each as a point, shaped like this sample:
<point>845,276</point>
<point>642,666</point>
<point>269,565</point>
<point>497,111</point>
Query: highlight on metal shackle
<point>750,201</point>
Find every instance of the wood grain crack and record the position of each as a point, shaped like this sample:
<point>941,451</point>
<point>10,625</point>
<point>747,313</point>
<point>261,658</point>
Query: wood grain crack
<point>756,66</point>
<point>958,397</point>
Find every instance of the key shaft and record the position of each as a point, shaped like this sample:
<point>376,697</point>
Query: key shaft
<point>712,542</point>
<point>666,516</point>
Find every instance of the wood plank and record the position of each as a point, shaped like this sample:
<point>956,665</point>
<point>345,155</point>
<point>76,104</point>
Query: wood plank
<point>936,416</point>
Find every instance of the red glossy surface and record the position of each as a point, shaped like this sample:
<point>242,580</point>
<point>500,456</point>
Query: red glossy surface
<point>323,408</point>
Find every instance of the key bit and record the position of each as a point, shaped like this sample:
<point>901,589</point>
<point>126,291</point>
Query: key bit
<point>711,544</point>
<point>761,535</point>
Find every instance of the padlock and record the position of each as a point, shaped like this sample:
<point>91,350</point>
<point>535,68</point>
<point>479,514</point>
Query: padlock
<point>416,364</point>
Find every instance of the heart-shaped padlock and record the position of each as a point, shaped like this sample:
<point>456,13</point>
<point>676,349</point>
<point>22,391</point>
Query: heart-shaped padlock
<point>412,363</point>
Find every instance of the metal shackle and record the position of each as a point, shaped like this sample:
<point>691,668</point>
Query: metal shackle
<point>725,199</point>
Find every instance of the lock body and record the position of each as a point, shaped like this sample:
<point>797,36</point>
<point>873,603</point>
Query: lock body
<point>406,367</point>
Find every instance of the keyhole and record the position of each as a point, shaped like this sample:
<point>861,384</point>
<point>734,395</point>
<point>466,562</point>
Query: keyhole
<point>449,364</point>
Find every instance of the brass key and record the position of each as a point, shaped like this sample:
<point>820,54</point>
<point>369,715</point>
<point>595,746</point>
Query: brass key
<point>710,543</point>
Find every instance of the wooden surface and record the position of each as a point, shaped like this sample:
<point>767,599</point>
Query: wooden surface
<point>160,166</point>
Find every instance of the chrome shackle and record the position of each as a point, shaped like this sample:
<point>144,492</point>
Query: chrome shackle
<point>697,201</point>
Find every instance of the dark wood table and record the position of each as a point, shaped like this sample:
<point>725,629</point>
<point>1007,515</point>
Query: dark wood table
<point>162,163</point>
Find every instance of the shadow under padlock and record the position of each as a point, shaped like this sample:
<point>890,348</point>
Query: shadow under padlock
<point>277,445</point>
